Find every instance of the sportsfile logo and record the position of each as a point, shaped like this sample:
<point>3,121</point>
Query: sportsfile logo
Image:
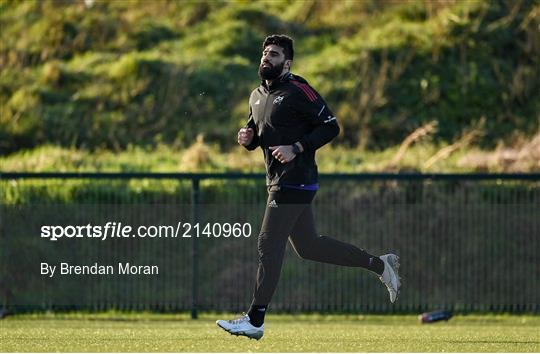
<point>120,230</point>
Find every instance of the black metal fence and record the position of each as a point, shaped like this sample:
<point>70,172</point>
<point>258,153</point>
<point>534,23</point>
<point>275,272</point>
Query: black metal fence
<point>469,242</point>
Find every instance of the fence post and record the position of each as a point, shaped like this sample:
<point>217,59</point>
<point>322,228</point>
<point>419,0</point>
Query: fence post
<point>195,199</point>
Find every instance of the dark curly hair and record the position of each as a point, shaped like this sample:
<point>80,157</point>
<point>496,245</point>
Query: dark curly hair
<point>282,41</point>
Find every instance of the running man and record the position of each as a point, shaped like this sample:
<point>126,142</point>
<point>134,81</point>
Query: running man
<point>289,120</point>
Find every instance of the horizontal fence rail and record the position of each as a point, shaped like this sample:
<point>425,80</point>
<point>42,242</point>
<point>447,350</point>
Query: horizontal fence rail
<point>467,242</point>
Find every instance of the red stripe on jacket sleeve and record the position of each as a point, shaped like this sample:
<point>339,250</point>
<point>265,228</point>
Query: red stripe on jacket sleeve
<point>306,90</point>
<point>310,91</point>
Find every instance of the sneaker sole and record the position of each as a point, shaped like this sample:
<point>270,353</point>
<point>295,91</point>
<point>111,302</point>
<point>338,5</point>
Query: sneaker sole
<point>394,262</point>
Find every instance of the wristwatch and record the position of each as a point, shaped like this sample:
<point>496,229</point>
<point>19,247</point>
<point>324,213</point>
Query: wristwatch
<point>296,149</point>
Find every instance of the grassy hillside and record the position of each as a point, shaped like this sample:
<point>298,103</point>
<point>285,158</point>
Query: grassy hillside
<point>151,73</point>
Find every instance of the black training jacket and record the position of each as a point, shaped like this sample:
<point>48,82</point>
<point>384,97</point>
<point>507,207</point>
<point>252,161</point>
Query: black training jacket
<point>284,113</point>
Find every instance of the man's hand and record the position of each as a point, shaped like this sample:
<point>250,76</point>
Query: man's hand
<point>283,153</point>
<point>245,136</point>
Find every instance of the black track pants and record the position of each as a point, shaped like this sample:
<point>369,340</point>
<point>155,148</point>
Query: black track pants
<point>289,215</point>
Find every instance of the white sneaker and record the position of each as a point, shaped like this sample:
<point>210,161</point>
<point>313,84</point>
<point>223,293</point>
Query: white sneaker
<point>390,276</point>
<point>242,327</point>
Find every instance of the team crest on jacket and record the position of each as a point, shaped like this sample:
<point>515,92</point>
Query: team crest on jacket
<point>278,100</point>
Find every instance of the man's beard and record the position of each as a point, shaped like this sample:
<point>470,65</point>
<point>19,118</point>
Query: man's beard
<point>271,72</point>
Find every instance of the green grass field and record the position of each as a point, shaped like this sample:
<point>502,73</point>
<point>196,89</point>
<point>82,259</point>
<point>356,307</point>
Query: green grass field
<point>139,332</point>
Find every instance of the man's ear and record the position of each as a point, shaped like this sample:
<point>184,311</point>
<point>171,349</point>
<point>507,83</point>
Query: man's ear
<point>288,64</point>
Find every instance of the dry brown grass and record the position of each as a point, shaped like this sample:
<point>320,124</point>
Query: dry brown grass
<point>197,157</point>
<point>523,156</point>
